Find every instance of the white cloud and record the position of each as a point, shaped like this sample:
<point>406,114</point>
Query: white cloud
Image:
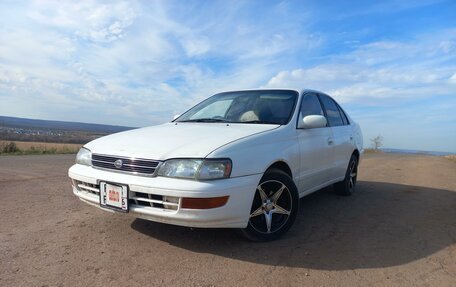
<point>390,71</point>
<point>99,22</point>
<point>452,79</point>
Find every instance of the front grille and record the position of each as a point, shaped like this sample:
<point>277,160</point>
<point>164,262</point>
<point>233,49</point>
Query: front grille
<point>133,165</point>
<point>135,198</point>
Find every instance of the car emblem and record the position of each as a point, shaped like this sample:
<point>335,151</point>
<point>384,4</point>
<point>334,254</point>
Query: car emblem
<point>118,163</point>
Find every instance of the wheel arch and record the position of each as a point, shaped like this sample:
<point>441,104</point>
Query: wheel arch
<point>281,165</point>
<point>356,153</point>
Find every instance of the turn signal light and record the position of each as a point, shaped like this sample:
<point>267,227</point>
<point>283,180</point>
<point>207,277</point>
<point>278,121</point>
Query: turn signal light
<point>204,203</point>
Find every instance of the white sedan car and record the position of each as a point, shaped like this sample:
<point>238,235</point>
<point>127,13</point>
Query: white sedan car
<point>239,159</point>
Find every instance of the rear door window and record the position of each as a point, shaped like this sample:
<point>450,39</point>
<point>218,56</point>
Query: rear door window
<point>343,115</point>
<point>332,111</point>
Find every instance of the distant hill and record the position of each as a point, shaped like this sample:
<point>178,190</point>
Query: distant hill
<point>31,130</point>
<point>59,125</point>
<point>413,151</point>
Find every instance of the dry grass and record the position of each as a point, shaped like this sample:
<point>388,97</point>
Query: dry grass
<point>451,157</point>
<point>40,148</point>
<point>371,150</point>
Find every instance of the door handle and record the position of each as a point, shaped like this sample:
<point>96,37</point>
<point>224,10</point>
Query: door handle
<point>330,141</point>
<point>351,138</point>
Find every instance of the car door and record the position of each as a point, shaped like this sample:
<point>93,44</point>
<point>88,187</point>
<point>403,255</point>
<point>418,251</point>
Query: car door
<point>316,149</point>
<point>342,136</point>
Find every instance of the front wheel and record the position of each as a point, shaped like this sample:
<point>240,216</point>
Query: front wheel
<point>274,208</point>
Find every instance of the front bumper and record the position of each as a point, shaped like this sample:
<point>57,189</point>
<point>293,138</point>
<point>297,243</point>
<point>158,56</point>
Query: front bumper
<point>234,214</point>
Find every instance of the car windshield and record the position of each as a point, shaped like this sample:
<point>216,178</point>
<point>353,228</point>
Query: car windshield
<point>249,107</point>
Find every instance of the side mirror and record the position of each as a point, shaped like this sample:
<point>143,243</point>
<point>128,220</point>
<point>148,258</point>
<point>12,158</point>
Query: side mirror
<point>176,116</point>
<point>313,121</point>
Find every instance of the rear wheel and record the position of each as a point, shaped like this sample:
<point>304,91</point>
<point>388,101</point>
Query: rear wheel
<point>274,207</point>
<point>347,186</point>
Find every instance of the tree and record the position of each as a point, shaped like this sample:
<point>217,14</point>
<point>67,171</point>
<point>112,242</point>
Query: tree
<point>377,142</point>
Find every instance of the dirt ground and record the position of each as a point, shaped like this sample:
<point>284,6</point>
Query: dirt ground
<point>399,229</point>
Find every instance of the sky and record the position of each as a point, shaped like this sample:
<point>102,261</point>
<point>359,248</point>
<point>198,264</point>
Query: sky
<point>390,64</point>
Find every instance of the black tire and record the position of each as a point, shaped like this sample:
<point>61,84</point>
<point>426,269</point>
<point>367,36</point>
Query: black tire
<point>276,201</point>
<point>348,185</point>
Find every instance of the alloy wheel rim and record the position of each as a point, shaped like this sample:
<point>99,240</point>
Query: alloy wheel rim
<point>271,207</point>
<point>352,175</point>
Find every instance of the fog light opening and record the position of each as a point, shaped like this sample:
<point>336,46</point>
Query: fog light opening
<point>170,202</point>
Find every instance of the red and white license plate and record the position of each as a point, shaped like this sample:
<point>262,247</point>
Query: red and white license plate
<point>114,196</point>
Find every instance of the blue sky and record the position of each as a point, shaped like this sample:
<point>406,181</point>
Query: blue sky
<point>391,64</point>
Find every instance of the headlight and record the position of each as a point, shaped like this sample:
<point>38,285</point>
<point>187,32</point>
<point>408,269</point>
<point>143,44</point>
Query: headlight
<point>199,169</point>
<point>84,157</point>
<point>212,169</point>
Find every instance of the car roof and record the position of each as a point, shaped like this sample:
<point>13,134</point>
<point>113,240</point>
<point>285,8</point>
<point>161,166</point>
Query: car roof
<point>275,89</point>
<point>260,89</point>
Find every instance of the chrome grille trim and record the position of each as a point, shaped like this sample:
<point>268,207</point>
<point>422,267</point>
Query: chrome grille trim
<point>137,166</point>
<point>87,188</point>
<point>154,201</point>
<point>137,198</point>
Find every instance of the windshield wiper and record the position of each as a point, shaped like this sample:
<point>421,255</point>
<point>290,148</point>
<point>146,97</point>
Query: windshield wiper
<point>205,120</point>
<point>259,122</point>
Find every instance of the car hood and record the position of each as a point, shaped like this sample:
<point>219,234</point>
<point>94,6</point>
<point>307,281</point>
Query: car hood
<point>174,140</point>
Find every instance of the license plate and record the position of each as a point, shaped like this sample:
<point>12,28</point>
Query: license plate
<point>114,196</point>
